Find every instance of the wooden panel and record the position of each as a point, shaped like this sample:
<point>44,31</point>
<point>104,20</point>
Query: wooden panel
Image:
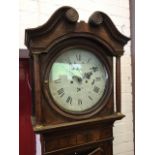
<point>103,147</point>
<point>76,137</point>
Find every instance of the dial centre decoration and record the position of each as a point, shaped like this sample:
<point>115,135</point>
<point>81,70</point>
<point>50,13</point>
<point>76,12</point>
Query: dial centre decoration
<point>77,80</point>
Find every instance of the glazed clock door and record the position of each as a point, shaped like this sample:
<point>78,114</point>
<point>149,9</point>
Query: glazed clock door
<point>74,73</point>
<point>77,81</point>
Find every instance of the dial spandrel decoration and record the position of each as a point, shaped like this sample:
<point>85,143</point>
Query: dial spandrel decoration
<point>77,80</point>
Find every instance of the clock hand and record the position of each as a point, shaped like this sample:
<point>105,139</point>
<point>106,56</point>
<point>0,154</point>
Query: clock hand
<point>74,75</point>
<point>77,78</point>
<point>88,75</point>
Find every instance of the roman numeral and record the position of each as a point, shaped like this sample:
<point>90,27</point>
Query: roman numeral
<point>69,100</point>
<point>88,60</point>
<point>95,69</point>
<point>96,89</point>
<point>68,60</point>
<point>90,98</point>
<point>61,92</point>
<point>57,81</point>
<point>79,101</point>
<point>98,78</point>
<point>78,57</point>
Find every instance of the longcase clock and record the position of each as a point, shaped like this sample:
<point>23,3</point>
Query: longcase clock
<point>72,76</point>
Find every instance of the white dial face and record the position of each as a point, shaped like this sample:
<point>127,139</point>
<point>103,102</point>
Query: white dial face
<point>77,80</point>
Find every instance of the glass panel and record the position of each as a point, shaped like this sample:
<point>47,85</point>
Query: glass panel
<point>77,80</point>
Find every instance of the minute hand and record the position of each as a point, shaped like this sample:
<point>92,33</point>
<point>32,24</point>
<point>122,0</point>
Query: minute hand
<point>88,75</point>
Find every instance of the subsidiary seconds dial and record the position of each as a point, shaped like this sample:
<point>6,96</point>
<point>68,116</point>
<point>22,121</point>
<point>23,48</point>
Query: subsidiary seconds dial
<point>77,80</point>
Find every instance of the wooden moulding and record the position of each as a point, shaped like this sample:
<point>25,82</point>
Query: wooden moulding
<point>98,151</point>
<point>101,19</point>
<point>118,84</point>
<point>59,16</point>
<point>65,21</point>
<point>72,15</point>
<point>37,89</point>
<point>93,121</point>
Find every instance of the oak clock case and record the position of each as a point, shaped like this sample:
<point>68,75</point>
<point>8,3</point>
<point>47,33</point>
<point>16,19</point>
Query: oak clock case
<point>72,82</point>
<point>78,81</point>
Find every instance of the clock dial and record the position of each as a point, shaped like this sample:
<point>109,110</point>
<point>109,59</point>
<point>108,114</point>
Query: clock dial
<point>77,80</point>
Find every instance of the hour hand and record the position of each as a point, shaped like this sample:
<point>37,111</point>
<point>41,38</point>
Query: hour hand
<point>77,78</point>
<point>88,75</point>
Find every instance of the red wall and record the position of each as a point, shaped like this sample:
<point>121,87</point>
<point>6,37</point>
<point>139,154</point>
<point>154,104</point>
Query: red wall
<point>26,135</point>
